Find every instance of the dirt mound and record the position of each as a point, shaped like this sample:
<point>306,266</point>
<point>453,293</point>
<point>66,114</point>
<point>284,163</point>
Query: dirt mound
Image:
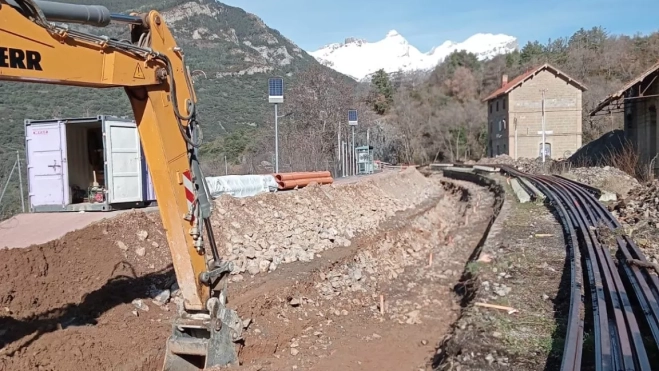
<point>62,301</point>
<point>598,152</point>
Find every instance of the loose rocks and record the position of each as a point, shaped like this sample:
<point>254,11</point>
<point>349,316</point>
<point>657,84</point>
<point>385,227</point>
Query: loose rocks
<point>262,232</point>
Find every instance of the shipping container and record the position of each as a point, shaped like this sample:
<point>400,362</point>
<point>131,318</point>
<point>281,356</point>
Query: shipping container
<point>86,164</point>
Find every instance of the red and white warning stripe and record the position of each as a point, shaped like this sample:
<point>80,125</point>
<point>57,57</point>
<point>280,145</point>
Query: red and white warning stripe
<point>189,188</point>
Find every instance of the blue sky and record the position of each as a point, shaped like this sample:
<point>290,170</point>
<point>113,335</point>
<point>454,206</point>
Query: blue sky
<point>427,23</point>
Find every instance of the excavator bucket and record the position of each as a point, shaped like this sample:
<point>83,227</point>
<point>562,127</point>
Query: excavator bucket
<point>201,341</point>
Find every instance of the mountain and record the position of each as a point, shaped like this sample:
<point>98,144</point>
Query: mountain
<point>358,58</point>
<point>236,51</point>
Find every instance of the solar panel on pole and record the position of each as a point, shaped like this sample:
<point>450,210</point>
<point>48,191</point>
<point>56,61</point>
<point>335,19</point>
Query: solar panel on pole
<point>276,90</point>
<point>352,117</point>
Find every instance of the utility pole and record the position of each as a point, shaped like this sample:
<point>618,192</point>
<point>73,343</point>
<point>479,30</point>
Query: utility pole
<point>276,141</point>
<point>368,152</point>
<point>276,96</point>
<point>352,121</point>
<point>20,179</point>
<point>339,149</point>
<point>354,160</point>
<point>544,138</point>
<point>343,158</point>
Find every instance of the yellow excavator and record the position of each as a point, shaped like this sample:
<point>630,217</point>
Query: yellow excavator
<point>36,45</point>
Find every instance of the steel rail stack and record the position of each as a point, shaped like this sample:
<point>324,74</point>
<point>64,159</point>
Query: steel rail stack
<point>619,302</point>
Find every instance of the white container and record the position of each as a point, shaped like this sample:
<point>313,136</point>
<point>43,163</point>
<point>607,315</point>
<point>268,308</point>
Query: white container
<point>63,155</point>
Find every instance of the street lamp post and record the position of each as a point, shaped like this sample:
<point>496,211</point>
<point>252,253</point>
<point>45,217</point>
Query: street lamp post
<point>276,96</point>
<point>352,121</point>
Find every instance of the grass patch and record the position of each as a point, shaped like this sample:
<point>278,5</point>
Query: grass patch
<point>523,333</point>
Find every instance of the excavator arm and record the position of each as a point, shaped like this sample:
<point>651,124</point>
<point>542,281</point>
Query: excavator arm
<point>151,69</point>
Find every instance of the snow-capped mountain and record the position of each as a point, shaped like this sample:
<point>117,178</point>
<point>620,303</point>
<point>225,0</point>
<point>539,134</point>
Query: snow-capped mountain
<point>359,58</point>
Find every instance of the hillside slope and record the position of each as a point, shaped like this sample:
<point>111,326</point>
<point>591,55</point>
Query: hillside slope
<point>235,49</point>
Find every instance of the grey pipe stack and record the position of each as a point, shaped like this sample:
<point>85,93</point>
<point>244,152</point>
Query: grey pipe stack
<point>93,15</point>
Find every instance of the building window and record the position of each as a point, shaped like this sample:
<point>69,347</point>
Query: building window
<point>490,107</point>
<point>499,125</point>
<point>504,124</point>
<point>505,148</point>
<point>497,106</point>
<point>504,102</point>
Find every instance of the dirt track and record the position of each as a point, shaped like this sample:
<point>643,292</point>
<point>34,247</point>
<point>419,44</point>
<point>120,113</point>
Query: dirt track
<point>67,305</point>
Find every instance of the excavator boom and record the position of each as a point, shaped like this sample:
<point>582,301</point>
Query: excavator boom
<point>151,68</point>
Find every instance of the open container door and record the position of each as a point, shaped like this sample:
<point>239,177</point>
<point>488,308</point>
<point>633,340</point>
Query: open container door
<point>123,162</point>
<point>47,170</point>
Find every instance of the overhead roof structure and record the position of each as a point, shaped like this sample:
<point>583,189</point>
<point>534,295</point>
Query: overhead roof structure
<point>644,81</point>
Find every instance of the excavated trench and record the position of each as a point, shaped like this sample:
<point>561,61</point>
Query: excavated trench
<point>376,287</point>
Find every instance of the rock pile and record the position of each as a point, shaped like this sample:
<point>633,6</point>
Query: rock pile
<point>393,255</point>
<point>641,204</point>
<point>639,215</point>
<point>607,178</point>
<point>262,232</point>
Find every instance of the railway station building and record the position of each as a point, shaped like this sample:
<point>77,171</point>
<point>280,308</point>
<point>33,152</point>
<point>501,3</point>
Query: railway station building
<point>515,115</point>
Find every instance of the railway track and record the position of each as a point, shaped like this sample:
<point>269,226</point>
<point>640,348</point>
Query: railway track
<point>613,319</point>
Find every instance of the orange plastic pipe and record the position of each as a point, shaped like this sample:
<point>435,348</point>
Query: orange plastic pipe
<point>302,175</point>
<point>290,184</point>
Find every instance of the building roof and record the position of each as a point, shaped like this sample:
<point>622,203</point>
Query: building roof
<point>517,81</point>
<point>620,93</point>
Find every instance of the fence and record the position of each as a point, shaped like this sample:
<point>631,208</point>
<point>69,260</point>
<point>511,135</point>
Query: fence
<point>12,191</point>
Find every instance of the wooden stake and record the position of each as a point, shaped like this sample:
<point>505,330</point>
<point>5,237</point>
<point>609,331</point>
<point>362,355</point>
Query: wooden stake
<point>510,310</point>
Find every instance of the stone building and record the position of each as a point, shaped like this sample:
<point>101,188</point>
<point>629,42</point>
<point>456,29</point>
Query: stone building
<point>515,114</point>
<point>638,100</point>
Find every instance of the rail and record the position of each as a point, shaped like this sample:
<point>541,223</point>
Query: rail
<point>621,307</point>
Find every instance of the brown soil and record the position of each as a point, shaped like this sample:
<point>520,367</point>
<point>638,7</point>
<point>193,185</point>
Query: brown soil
<point>67,305</point>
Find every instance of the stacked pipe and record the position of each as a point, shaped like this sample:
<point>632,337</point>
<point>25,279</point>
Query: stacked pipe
<point>302,179</point>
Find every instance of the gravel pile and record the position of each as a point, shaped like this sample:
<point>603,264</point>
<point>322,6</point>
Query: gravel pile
<point>639,215</point>
<point>607,178</point>
<point>262,232</point>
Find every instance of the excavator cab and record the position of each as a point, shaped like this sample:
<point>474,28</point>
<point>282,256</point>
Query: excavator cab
<point>37,45</point>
